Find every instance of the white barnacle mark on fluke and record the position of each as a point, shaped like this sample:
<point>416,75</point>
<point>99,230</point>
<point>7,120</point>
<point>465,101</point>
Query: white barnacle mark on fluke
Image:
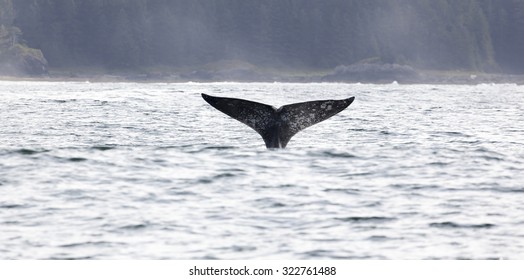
<point>277,126</point>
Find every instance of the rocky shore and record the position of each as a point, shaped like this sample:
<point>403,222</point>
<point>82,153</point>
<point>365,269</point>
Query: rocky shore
<point>244,72</point>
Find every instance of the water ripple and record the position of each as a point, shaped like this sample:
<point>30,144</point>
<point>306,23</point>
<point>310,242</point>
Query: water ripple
<point>150,171</point>
<point>451,225</point>
<point>372,219</point>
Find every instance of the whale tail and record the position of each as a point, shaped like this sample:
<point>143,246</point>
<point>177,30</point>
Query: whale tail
<point>277,126</point>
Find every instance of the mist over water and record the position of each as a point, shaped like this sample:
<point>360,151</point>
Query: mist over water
<point>151,171</point>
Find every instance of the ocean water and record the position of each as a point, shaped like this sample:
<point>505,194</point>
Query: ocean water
<point>151,171</point>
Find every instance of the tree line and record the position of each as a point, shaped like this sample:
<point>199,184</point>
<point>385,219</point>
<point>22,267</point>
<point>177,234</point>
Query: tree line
<point>483,35</point>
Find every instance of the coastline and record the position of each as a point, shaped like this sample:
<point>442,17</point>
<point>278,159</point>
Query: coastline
<point>270,76</point>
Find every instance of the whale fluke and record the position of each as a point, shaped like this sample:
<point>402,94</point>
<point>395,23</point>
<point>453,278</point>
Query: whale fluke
<point>277,126</point>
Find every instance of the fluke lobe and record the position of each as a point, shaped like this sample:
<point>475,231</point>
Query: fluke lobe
<point>277,126</point>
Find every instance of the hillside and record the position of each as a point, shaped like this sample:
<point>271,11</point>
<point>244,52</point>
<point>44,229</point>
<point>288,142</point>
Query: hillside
<point>294,35</point>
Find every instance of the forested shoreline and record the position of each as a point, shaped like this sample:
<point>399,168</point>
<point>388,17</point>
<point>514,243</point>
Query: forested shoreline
<point>303,35</point>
